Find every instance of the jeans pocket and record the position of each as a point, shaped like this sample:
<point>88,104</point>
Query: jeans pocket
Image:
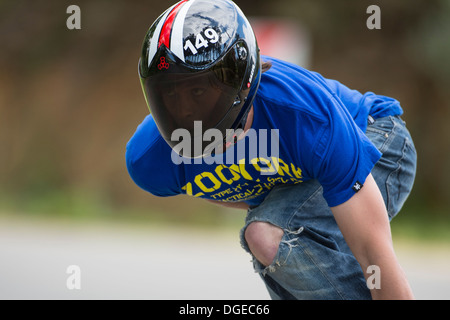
<point>380,133</point>
<point>321,239</point>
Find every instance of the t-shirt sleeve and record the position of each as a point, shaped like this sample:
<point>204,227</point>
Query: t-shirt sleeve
<point>148,161</point>
<point>343,157</point>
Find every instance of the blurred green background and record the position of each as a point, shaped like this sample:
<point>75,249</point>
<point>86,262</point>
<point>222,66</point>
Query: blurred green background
<point>71,99</point>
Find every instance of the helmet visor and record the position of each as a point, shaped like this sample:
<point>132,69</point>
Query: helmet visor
<point>178,98</point>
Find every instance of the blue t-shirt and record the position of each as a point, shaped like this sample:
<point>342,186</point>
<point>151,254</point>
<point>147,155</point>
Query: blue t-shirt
<point>320,123</point>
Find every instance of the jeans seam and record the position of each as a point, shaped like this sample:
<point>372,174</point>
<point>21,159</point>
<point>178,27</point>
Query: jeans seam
<point>295,212</point>
<point>324,274</point>
<point>389,178</point>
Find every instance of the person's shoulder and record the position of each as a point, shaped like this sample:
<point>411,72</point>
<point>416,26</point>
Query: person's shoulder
<point>288,70</point>
<point>148,159</point>
<point>143,140</point>
<point>286,87</point>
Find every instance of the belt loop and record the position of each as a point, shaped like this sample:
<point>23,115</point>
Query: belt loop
<point>370,120</point>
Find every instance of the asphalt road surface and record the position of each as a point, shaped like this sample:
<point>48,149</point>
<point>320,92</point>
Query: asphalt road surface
<point>49,260</point>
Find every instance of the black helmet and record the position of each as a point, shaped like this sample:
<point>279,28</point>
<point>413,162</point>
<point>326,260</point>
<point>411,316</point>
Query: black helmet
<point>200,62</point>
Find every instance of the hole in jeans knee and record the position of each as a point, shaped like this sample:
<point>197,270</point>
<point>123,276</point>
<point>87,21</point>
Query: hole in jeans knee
<point>263,240</point>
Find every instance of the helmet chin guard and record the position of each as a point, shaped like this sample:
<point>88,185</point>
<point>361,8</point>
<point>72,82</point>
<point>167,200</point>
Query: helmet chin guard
<point>200,62</point>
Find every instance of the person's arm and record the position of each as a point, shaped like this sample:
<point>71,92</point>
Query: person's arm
<point>234,205</point>
<point>364,222</point>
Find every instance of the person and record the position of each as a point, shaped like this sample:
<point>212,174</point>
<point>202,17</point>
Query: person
<point>319,190</point>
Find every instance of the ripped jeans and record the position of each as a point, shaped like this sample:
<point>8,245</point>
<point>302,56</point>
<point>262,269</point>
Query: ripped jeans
<point>313,260</point>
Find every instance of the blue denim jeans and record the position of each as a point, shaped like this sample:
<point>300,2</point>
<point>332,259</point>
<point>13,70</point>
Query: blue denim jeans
<point>313,260</point>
